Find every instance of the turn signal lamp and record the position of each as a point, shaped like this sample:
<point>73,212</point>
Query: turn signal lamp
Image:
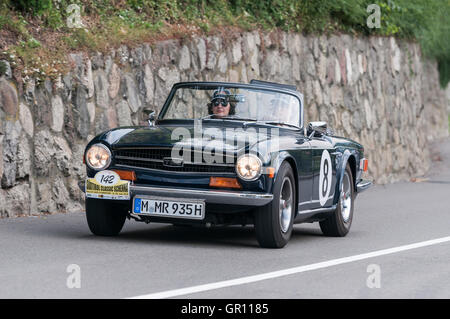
<point>364,164</point>
<point>126,175</point>
<point>224,182</point>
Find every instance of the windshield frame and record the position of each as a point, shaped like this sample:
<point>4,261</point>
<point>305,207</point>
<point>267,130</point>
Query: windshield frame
<point>212,85</point>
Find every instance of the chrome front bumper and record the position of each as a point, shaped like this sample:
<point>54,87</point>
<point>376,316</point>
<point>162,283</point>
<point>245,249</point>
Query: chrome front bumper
<point>210,196</point>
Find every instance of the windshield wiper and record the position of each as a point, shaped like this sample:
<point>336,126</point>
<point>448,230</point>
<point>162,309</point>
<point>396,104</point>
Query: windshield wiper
<point>207,117</point>
<point>276,123</point>
<point>232,117</point>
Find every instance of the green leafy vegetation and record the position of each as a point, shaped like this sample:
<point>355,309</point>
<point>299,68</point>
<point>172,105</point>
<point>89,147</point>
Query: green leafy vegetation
<point>110,23</point>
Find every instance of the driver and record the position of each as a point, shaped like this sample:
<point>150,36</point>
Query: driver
<point>220,104</point>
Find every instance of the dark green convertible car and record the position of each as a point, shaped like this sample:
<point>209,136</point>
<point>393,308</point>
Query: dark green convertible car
<point>225,154</point>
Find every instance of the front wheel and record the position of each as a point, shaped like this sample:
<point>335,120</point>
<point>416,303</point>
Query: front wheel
<point>274,222</point>
<point>338,224</point>
<point>103,217</point>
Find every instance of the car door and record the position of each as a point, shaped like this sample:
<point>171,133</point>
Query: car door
<point>324,172</point>
<point>305,172</point>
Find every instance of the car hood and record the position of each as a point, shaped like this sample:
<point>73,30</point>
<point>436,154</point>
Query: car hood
<point>225,138</point>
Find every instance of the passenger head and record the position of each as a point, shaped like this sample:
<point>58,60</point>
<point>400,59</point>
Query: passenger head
<point>220,104</point>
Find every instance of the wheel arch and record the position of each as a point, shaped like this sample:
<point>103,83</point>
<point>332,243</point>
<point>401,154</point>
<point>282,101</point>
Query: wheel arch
<point>352,161</point>
<point>286,157</point>
<point>347,157</point>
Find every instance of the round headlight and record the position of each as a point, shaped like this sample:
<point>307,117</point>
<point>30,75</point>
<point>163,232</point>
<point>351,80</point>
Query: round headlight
<point>248,167</point>
<point>98,157</point>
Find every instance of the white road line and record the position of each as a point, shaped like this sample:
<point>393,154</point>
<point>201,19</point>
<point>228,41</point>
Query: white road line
<point>289,271</point>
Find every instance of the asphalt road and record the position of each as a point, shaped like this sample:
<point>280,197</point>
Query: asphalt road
<point>35,253</point>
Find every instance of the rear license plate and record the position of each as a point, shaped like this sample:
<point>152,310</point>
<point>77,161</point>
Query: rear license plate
<point>166,207</point>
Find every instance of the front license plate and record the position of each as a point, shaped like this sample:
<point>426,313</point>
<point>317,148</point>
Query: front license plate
<point>169,208</point>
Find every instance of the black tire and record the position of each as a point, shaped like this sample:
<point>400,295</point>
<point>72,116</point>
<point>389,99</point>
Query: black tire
<point>336,225</point>
<point>268,224</point>
<point>104,217</point>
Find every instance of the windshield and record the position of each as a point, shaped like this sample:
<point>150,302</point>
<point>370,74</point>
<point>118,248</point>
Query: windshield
<point>215,102</point>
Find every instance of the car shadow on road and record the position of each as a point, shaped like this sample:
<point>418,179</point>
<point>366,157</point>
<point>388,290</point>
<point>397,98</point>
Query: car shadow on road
<point>235,236</point>
<point>215,236</point>
<point>167,234</point>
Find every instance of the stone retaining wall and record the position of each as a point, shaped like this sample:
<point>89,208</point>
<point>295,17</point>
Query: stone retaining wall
<point>378,91</point>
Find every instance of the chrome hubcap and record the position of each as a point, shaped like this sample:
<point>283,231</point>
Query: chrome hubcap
<point>346,198</point>
<point>286,204</point>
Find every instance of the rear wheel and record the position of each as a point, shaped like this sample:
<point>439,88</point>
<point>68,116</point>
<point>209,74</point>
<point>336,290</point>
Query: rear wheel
<point>338,224</point>
<point>274,222</point>
<point>105,218</point>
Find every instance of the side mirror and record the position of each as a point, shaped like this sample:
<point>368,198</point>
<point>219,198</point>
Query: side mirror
<point>317,127</point>
<point>151,115</point>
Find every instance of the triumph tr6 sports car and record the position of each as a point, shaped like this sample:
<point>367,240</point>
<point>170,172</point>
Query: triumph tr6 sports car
<point>225,154</point>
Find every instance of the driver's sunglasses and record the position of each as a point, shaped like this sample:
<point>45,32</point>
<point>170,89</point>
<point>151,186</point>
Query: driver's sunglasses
<point>218,102</point>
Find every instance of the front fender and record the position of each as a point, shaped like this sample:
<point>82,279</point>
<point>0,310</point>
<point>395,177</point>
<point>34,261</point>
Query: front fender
<point>279,159</point>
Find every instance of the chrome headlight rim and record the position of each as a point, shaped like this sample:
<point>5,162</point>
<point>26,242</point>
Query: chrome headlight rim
<point>258,175</point>
<point>106,148</point>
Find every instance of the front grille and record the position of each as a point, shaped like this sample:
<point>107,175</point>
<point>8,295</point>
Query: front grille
<point>156,158</point>
<point>145,153</point>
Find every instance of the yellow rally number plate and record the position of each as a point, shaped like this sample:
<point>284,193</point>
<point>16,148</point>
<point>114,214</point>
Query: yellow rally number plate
<point>107,185</point>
